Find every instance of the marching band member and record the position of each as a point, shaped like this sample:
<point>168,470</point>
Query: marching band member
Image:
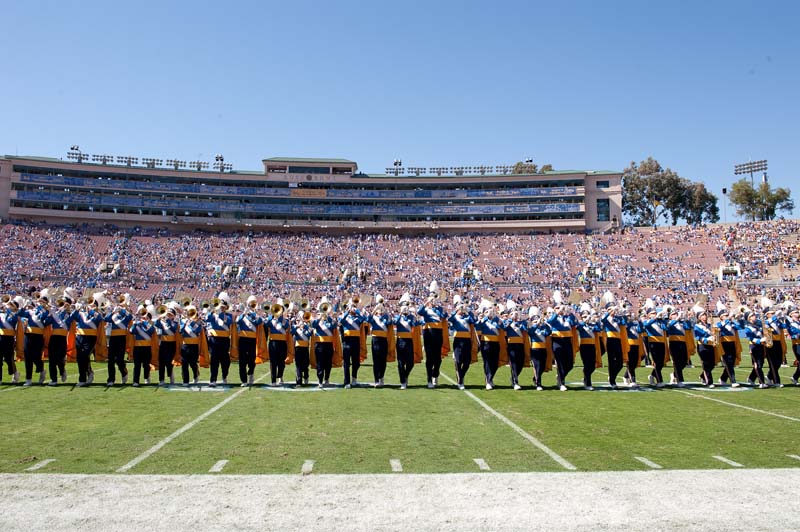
<point>774,353</point>
<point>516,337</point>
<point>9,321</point>
<point>145,342</point>
<point>729,338</point>
<point>301,332</point>
<point>277,329</point>
<point>89,332</point>
<point>753,329</point>
<point>614,325</point>
<point>350,326</point>
<point>462,324</point>
<point>434,333</point>
<point>248,326</point>
<point>120,320</point>
<point>539,333</point>
<point>61,322</point>
<point>35,319</point>
<point>706,345</point>
<point>167,329</point>
<point>562,322</point>
<point>218,327</point>
<point>677,328</point>
<point>794,334</point>
<point>489,328</point>
<point>380,329</point>
<point>192,336</point>
<point>656,329</point>
<point>589,329</point>
<point>407,341</point>
<point>633,330</point>
<point>324,330</point>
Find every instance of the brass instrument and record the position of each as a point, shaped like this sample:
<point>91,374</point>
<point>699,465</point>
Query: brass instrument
<point>191,313</point>
<point>5,299</point>
<point>253,304</point>
<point>276,310</point>
<point>307,316</point>
<point>161,310</point>
<point>205,305</point>
<point>716,334</point>
<point>60,302</point>
<point>766,331</point>
<point>325,308</point>
<point>142,312</point>
<point>355,300</point>
<point>304,304</point>
<point>215,302</point>
<point>265,306</point>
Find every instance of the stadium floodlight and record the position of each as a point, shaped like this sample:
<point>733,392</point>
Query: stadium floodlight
<point>457,170</point>
<point>76,154</point>
<point>151,162</point>
<point>127,160</point>
<point>439,170</point>
<point>483,169</point>
<point>103,159</point>
<point>750,167</point>
<point>198,165</point>
<point>416,170</point>
<point>504,168</point>
<point>175,163</point>
<point>220,163</point>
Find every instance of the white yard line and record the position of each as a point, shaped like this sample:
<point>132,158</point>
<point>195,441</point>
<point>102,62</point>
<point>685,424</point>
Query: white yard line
<point>648,463</point>
<point>544,448</point>
<point>727,461</point>
<point>308,467</point>
<point>216,468</point>
<point>157,447</point>
<point>482,465</point>
<point>796,457</point>
<point>397,467</point>
<point>41,464</point>
<point>757,410</point>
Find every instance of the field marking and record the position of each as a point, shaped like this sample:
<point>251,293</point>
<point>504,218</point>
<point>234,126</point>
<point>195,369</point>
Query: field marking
<point>796,457</point>
<point>397,467</point>
<point>648,463</point>
<point>544,448</point>
<point>216,468</point>
<point>157,447</point>
<point>757,410</point>
<point>726,461</point>
<point>41,464</point>
<point>13,387</point>
<point>308,467</point>
<point>482,465</point>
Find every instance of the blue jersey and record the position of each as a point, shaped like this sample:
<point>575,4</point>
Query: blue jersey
<point>431,314</point>
<point>703,333</point>
<point>35,319</point>
<point>120,320</point>
<point>460,323</point>
<point>8,322</point>
<point>404,323</point>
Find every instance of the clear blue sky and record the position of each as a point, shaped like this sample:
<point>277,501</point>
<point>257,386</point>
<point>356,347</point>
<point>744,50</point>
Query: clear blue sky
<point>581,85</point>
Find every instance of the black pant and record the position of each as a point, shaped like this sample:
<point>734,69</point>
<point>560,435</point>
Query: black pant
<point>116,357</point>
<point>277,359</point>
<point>796,349</point>
<point>490,353</point>
<point>84,345</point>
<point>757,356</point>
<point>56,356</point>
<point>323,352</point>
<point>301,361</point>
<point>775,359</point>
<point>657,354</point>
<point>462,355</point>
<point>220,352</point>
<point>247,358</point>
<point>564,355</point>
<point>405,358</point>
<point>166,354</point>
<point>34,344</point>
<point>351,356</point>
<point>7,354</point>
<point>614,352</point>
<point>432,340</point>
<point>680,358</point>
<point>190,354</point>
<point>516,359</point>
<point>588,358</point>
<point>538,361</point>
<point>633,362</point>
<point>728,361</point>
<point>706,353</point>
<point>141,362</point>
<point>379,353</point>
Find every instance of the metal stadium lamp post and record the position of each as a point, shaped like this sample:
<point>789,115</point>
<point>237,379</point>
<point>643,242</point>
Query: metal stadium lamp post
<point>176,164</point>
<point>750,167</point>
<point>198,165</point>
<point>151,163</point>
<point>102,159</point>
<point>75,154</point>
<point>221,165</point>
<point>127,160</point>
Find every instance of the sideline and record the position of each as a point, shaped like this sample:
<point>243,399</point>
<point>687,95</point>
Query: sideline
<point>157,447</point>
<point>544,448</point>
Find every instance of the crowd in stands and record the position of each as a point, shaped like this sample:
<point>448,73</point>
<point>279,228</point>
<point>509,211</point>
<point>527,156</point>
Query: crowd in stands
<point>674,265</point>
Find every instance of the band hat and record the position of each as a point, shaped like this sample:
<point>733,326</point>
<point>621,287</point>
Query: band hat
<point>224,298</point>
<point>251,299</point>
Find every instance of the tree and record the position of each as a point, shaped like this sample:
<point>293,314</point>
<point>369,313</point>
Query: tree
<point>650,192</point>
<point>530,168</point>
<point>762,203</point>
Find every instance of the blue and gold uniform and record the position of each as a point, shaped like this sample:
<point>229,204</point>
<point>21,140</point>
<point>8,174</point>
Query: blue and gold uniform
<point>218,327</point>
<point>539,333</point>
<point>247,330</point>
<point>729,347</point>
<point>89,328</point>
<point>301,334</point>
<point>60,323</point>
<point>350,326</point>
<point>753,329</point>
<point>489,329</point>
<point>405,324</point>
<point>278,331</point>
<point>677,331</point>
<point>35,320</point>
<point>704,336</point>
<point>144,338</point>
<point>563,349</point>
<point>774,353</point>
<point>633,330</point>
<point>656,329</point>
<point>380,323</point>
<point>167,330</point>
<point>615,329</point>
<point>8,340</point>
<point>325,330</point>
<point>589,329</point>
<point>462,323</point>
<point>120,321</point>
<point>794,334</point>
<point>192,334</point>
<point>434,337</point>
<point>516,336</point>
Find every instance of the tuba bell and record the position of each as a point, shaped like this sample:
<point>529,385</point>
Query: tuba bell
<point>304,304</point>
<point>161,310</point>
<point>325,308</point>
<point>192,313</point>
<point>276,309</point>
<point>307,316</point>
<point>185,301</point>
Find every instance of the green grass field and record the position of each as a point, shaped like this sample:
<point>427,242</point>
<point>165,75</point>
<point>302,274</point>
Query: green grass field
<point>267,430</point>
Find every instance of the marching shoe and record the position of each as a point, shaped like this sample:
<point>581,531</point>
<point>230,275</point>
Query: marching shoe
<point>651,380</point>
<point>172,379</point>
<point>147,381</point>
<point>634,384</point>
<point>680,385</point>
<point>430,385</point>
<point>109,384</point>
<point>735,385</point>
<point>346,386</point>
<point>125,378</point>
<point>327,383</point>
<point>82,384</point>
<point>135,384</point>
<point>250,380</point>
<point>460,386</point>
<point>41,377</point>
<point>243,385</point>
<point>212,384</point>
<point>436,381</point>
<point>354,383</point>
<point>90,377</point>
<point>185,384</point>
<point>563,388</point>
<point>15,378</point>
<point>719,382</point>
<point>589,388</point>
<point>52,383</point>
<point>763,386</point>
<point>27,383</point>
<point>613,386</point>
<point>710,385</point>
<point>403,386</point>
<point>539,388</point>
<point>280,382</point>
<point>305,381</point>
<point>769,381</point>
<point>196,380</point>
<point>161,383</point>
<point>626,381</point>
<point>659,385</point>
<point>779,385</point>
<point>517,387</point>
<point>225,381</point>
<point>488,386</point>
<point>320,386</point>
<point>794,381</point>
<point>672,379</point>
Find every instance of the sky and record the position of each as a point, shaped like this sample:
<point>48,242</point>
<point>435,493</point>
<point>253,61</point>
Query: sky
<point>587,85</point>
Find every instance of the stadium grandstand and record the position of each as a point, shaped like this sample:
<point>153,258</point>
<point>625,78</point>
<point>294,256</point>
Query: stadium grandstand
<point>302,194</point>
